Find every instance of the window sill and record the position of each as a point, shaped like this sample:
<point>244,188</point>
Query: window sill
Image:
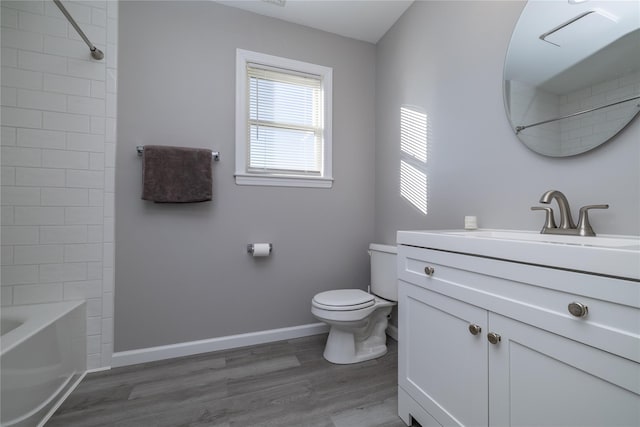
<point>284,181</point>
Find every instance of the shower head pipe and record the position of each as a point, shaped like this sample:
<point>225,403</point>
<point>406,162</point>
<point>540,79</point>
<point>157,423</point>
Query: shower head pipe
<point>95,52</point>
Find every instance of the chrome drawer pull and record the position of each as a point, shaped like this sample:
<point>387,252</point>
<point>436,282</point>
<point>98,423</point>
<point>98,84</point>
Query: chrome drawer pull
<point>429,271</point>
<point>494,338</point>
<point>475,329</point>
<point>578,310</point>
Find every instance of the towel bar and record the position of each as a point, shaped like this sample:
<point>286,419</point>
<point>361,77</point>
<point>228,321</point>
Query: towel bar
<point>215,154</point>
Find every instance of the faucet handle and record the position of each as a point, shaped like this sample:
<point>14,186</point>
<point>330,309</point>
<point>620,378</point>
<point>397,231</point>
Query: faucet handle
<point>549,222</point>
<point>584,227</point>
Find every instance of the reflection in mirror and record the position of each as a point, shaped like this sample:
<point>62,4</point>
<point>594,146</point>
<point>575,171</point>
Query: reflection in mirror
<point>572,73</point>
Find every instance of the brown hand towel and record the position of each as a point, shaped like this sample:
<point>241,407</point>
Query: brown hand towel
<point>176,174</point>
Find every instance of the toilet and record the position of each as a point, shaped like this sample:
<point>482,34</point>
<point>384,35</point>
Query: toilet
<point>358,319</point>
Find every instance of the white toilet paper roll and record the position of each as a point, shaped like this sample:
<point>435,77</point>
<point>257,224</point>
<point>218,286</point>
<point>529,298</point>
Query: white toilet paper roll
<point>261,249</point>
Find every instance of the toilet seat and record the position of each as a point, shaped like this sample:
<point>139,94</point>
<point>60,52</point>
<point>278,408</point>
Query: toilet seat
<point>343,300</point>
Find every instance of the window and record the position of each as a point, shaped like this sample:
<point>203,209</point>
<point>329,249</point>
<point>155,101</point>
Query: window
<point>283,122</point>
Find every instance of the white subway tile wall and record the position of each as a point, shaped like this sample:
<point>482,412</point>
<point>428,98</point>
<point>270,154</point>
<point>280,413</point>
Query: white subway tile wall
<point>530,104</point>
<point>58,161</point>
<point>583,130</point>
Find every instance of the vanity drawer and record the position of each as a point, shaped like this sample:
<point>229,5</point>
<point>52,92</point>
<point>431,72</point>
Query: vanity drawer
<point>536,295</point>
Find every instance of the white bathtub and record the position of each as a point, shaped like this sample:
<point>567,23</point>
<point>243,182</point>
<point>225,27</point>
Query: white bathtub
<point>42,358</point>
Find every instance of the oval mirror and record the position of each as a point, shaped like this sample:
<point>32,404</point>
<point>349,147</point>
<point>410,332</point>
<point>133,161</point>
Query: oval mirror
<point>572,73</point>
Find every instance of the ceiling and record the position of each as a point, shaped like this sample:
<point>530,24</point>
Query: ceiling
<point>366,20</point>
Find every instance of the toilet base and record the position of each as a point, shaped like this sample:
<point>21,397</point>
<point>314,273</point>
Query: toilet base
<point>348,343</point>
<point>341,349</point>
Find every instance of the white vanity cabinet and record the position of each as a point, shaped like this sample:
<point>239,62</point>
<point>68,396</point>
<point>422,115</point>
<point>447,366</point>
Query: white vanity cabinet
<point>486,341</point>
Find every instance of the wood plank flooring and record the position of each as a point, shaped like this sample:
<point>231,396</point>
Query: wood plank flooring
<point>287,383</point>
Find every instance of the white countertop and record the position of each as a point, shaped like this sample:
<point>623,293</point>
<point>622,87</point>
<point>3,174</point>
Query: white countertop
<point>611,255</point>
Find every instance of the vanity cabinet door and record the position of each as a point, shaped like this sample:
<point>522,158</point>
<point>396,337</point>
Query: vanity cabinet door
<point>538,378</point>
<point>442,365</point>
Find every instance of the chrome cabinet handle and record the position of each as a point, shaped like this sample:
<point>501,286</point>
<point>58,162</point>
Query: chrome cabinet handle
<point>493,338</point>
<point>475,329</point>
<point>577,309</point>
<point>429,271</point>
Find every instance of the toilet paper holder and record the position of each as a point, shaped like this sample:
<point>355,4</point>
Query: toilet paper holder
<point>250,248</point>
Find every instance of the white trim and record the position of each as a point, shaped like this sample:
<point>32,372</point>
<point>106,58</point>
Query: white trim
<point>284,181</point>
<point>244,178</point>
<point>100,369</point>
<point>150,354</point>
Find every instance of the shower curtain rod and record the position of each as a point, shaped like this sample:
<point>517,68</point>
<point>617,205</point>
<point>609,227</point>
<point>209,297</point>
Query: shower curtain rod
<point>568,116</point>
<point>95,52</point>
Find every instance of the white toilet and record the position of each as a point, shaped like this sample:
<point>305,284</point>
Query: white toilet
<point>358,319</point>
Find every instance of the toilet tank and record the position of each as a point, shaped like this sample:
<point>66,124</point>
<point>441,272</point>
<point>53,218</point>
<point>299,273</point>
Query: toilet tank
<point>384,275</point>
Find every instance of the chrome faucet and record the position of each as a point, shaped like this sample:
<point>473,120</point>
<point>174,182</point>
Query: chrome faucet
<point>566,222</point>
<point>567,226</point>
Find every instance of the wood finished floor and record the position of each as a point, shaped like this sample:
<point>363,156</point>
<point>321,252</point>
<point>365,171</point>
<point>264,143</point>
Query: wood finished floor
<point>287,383</point>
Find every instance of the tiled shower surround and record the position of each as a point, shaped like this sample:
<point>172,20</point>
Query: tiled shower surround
<point>58,161</point>
<point>577,133</point>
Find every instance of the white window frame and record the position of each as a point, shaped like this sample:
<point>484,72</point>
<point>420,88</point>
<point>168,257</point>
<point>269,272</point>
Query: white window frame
<point>243,175</point>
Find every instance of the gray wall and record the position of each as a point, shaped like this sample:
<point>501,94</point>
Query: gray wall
<point>447,58</point>
<point>182,271</point>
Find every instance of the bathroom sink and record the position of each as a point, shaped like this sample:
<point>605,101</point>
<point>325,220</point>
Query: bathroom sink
<point>610,255</point>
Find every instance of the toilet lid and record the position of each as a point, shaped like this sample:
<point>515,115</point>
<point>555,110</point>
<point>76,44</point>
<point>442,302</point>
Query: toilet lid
<point>343,299</point>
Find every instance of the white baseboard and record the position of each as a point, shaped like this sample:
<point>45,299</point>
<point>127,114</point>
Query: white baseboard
<point>100,369</point>
<point>132,357</point>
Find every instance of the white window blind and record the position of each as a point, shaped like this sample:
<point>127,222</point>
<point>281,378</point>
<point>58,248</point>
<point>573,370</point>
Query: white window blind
<point>285,121</point>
